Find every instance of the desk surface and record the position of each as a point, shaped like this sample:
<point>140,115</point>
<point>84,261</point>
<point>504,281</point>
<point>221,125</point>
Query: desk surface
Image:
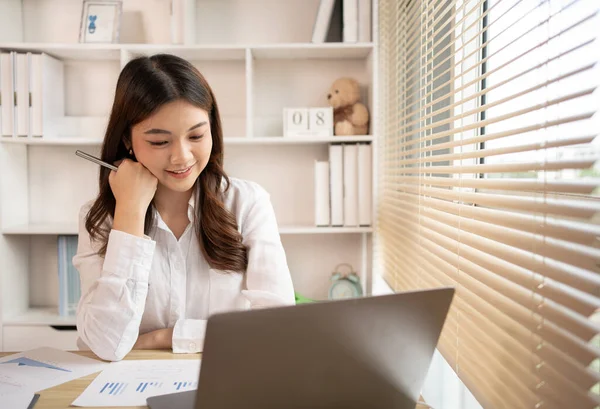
<point>61,396</point>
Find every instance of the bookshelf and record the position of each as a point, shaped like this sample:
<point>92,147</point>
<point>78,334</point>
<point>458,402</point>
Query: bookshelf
<point>304,140</point>
<point>257,57</point>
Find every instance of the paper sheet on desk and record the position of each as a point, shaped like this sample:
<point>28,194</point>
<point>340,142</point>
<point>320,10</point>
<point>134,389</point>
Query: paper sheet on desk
<point>129,383</point>
<point>20,400</point>
<point>42,368</point>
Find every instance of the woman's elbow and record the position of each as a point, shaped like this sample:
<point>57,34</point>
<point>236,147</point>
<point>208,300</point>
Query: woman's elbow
<point>99,341</point>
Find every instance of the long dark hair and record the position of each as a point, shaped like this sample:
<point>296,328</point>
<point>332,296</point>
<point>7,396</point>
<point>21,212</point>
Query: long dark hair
<point>144,85</point>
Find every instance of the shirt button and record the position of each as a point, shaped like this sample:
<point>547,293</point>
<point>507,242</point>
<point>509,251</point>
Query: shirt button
<point>192,346</point>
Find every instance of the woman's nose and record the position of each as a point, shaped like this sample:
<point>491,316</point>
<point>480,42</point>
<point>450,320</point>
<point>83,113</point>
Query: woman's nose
<point>181,153</point>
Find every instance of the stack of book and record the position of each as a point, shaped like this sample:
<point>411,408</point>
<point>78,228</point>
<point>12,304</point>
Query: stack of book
<point>343,186</point>
<point>347,21</point>
<point>31,94</point>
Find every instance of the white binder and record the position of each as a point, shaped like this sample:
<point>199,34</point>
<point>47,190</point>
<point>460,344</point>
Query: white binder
<point>351,185</point>
<point>336,180</point>
<point>322,194</point>
<point>364,21</point>
<point>7,88</point>
<point>22,92</point>
<point>365,190</point>
<point>47,96</point>
<point>350,21</point>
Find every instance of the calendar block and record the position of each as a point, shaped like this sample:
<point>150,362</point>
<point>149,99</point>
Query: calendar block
<point>321,120</point>
<point>308,121</point>
<point>295,120</point>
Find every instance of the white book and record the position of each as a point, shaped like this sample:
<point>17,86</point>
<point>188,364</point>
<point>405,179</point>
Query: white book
<point>322,21</point>
<point>365,192</point>
<point>0,95</point>
<point>177,21</point>
<point>322,194</point>
<point>336,181</point>
<point>350,21</point>
<point>183,21</point>
<point>22,90</point>
<point>364,21</point>
<point>47,95</point>
<point>30,87</point>
<point>7,89</point>
<point>351,185</point>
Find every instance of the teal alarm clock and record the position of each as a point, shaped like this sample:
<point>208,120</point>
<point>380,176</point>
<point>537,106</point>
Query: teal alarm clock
<point>344,284</point>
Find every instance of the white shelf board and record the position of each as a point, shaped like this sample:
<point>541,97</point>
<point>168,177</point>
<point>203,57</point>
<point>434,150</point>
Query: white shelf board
<point>74,51</point>
<point>264,140</point>
<point>191,53</point>
<point>60,141</point>
<point>39,316</point>
<point>65,228</point>
<point>42,229</point>
<point>296,140</point>
<point>78,51</point>
<point>322,230</point>
<point>327,51</point>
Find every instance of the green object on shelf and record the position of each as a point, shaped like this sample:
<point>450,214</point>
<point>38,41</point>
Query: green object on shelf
<point>302,300</point>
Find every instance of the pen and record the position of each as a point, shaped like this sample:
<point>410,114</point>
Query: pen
<point>95,160</point>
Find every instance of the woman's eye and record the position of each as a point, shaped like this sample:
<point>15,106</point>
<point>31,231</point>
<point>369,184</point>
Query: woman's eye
<point>196,137</point>
<point>161,143</point>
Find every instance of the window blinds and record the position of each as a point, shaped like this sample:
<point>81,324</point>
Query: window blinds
<point>489,182</point>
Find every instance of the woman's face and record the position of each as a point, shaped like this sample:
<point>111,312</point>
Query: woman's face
<point>174,144</point>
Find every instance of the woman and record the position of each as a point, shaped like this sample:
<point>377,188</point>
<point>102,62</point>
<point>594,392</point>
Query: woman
<point>170,239</point>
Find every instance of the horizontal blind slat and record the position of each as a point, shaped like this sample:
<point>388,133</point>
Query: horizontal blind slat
<point>512,286</point>
<point>582,187</point>
<point>579,279</point>
<point>585,257</point>
<point>490,121</point>
<point>488,137</point>
<point>410,64</point>
<point>578,301</point>
<point>399,161</point>
<point>408,110</point>
<point>580,351</point>
<point>553,165</point>
<point>562,394</point>
<point>534,350</point>
<point>472,91</point>
<point>582,210</point>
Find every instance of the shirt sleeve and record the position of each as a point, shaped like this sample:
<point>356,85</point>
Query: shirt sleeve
<point>113,290</point>
<point>188,336</point>
<point>268,279</point>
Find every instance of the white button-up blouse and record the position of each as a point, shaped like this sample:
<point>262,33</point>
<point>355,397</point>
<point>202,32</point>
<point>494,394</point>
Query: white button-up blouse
<point>147,283</point>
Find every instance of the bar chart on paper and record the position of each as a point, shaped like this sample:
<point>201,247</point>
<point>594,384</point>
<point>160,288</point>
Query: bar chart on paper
<point>130,383</point>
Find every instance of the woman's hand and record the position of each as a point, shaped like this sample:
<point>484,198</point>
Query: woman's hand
<point>159,339</point>
<point>133,186</point>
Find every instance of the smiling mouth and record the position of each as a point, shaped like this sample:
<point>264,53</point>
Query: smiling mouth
<point>181,170</point>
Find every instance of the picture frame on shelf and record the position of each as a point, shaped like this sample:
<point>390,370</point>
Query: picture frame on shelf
<point>100,21</point>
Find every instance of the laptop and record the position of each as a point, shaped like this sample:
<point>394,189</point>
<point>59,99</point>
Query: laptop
<point>356,353</point>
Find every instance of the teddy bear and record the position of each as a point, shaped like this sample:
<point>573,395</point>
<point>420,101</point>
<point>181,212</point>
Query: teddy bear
<point>350,117</point>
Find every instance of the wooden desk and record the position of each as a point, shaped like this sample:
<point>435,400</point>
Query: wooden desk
<point>61,396</point>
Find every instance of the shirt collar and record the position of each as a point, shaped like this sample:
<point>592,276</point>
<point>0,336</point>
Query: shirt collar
<point>191,210</point>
